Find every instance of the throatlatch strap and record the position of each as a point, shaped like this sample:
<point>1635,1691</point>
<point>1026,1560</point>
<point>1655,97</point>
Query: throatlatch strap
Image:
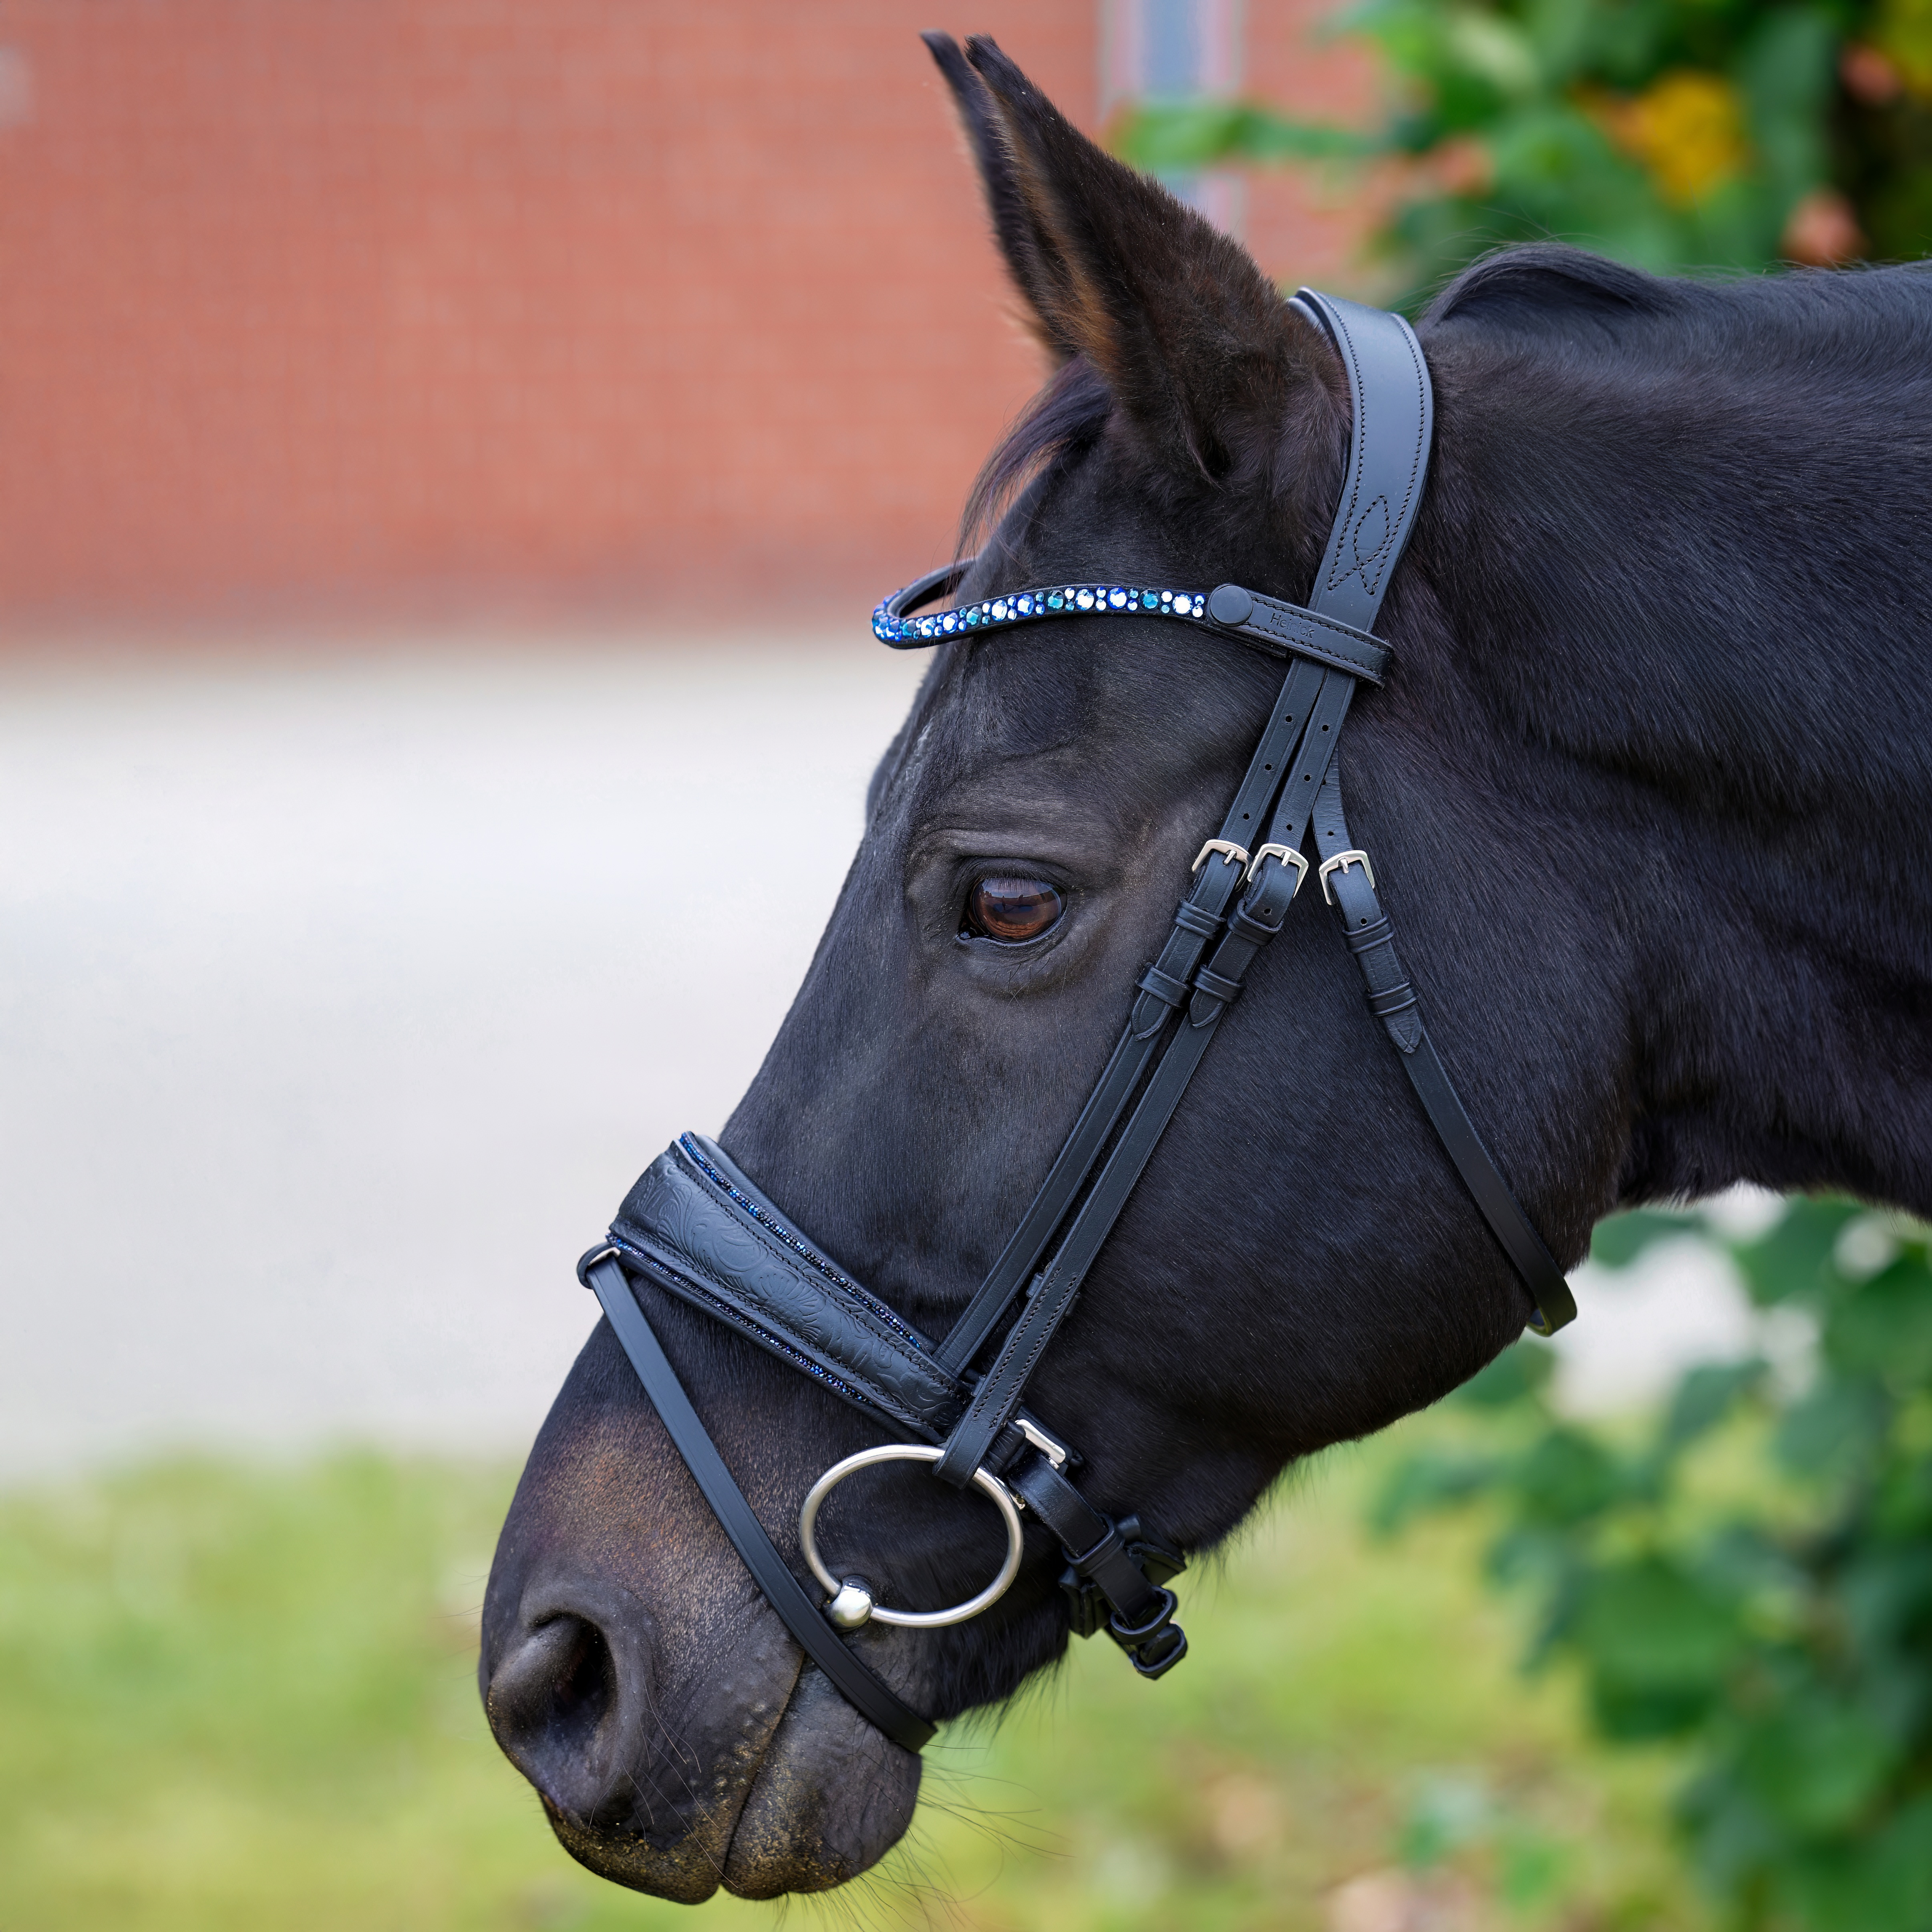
<point>856,1682</point>
<point>1393,1001</point>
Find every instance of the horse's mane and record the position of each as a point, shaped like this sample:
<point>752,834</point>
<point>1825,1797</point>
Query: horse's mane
<point>1575,303</point>
<point>1066,416</point>
<point>1546,285</point>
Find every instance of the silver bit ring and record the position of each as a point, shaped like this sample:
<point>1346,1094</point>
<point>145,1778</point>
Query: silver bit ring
<point>855,1606</point>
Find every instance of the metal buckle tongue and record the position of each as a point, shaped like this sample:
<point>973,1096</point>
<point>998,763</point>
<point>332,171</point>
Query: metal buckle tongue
<point>852,1602</point>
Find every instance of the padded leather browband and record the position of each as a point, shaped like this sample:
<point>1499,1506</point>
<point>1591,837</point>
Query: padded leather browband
<point>697,1228</point>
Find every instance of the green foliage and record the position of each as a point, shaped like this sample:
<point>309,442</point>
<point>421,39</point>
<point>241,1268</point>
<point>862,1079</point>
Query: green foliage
<point>1751,1575</point>
<point>1669,133</point>
<point>238,1699</point>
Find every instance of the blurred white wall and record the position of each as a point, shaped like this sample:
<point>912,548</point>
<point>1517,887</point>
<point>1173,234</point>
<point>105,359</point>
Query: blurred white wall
<point>343,994</point>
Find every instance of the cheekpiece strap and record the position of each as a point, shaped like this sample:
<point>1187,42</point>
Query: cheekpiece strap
<point>856,1681</point>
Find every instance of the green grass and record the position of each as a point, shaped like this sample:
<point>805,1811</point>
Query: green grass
<point>244,1697</point>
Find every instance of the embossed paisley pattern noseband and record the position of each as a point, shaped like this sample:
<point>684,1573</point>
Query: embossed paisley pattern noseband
<point>697,1228</point>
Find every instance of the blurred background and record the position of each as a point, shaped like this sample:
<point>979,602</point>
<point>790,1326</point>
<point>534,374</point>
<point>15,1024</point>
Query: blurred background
<point>447,453</point>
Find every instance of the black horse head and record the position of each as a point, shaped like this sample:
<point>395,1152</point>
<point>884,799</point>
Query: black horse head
<point>1642,789</point>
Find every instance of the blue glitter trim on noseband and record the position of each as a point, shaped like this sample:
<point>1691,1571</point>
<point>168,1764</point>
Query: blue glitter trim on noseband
<point>1020,607</point>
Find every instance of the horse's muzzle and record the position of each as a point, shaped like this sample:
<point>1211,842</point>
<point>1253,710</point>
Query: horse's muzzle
<point>771,1784</point>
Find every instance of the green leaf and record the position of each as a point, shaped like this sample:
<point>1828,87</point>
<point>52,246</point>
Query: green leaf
<point>1566,1477</point>
<point>1519,1372</point>
<point>1167,136</point>
<point>1701,1400</point>
<point>1793,1261</point>
<point>1658,1641</point>
<point>1833,1430</point>
<point>1447,1810</point>
<point>1816,1764</point>
<point>1883,1326</point>
<point>1784,73</point>
<point>1881,1887</point>
<point>1887,1595</point>
<point>1430,1481</point>
<point>1621,1238</point>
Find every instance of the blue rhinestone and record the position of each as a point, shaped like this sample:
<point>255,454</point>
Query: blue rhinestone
<point>972,617</point>
<point>1085,598</point>
<point>1000,609</point>
<point>1026,607</point>
<point>950,621</point>
<point>1118,598</point>
<point>1056,601</point>
<point>1149,602</point>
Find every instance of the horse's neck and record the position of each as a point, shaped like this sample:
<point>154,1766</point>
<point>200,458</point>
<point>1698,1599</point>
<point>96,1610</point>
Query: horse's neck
<point>1682,609</point>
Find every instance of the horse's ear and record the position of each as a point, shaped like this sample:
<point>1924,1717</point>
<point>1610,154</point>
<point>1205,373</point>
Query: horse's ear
<point>1200,351</point>
<point>1020,241</point>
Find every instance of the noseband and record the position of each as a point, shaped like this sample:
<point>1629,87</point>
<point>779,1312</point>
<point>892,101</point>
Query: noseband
<point>695,1227</point>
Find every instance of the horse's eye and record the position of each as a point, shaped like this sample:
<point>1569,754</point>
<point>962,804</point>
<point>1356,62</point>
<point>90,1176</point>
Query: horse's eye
<point>1012,910</point>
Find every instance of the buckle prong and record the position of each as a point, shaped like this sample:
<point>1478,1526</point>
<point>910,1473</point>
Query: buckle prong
<point>1227,846</point>
<point>1341,862</point>
<point>1287,855</point>
<point>1054,1450</point>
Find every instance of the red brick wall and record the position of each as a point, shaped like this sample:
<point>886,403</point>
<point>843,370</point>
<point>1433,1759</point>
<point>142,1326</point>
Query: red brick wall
<point>402,305</point>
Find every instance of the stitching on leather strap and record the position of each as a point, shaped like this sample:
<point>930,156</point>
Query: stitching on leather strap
<point>1326,639</point>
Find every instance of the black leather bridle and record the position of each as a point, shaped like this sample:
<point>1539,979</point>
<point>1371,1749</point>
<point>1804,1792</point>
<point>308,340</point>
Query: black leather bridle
<point>695,1226</point>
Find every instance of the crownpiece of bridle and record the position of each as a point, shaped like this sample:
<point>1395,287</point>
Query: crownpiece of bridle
<point>695,1227</point>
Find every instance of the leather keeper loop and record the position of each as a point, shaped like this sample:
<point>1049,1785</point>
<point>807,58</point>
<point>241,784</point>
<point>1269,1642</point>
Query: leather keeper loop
<point>1192,918</point>
<point>1397,999</point>
<point>1242,924</point>
<point>1164,986</point>
<point>1363,938</point>
<point>1126,1634</point>
<point>1216,985</point>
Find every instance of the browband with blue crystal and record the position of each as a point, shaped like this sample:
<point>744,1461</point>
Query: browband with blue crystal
<point>1268,623</point>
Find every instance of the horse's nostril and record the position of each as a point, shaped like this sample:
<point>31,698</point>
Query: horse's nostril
<point>557,1703</point>
<point>586,1681</point>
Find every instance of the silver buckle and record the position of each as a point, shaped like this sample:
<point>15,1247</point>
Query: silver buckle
<point>1288,856</point>
<point>1341,862</point>
<point>1238,854</point>
<point>1054,1452</point>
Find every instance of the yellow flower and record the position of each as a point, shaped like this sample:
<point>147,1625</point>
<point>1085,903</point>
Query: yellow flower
<point>1687,128</point>
<point>1904,33</point>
